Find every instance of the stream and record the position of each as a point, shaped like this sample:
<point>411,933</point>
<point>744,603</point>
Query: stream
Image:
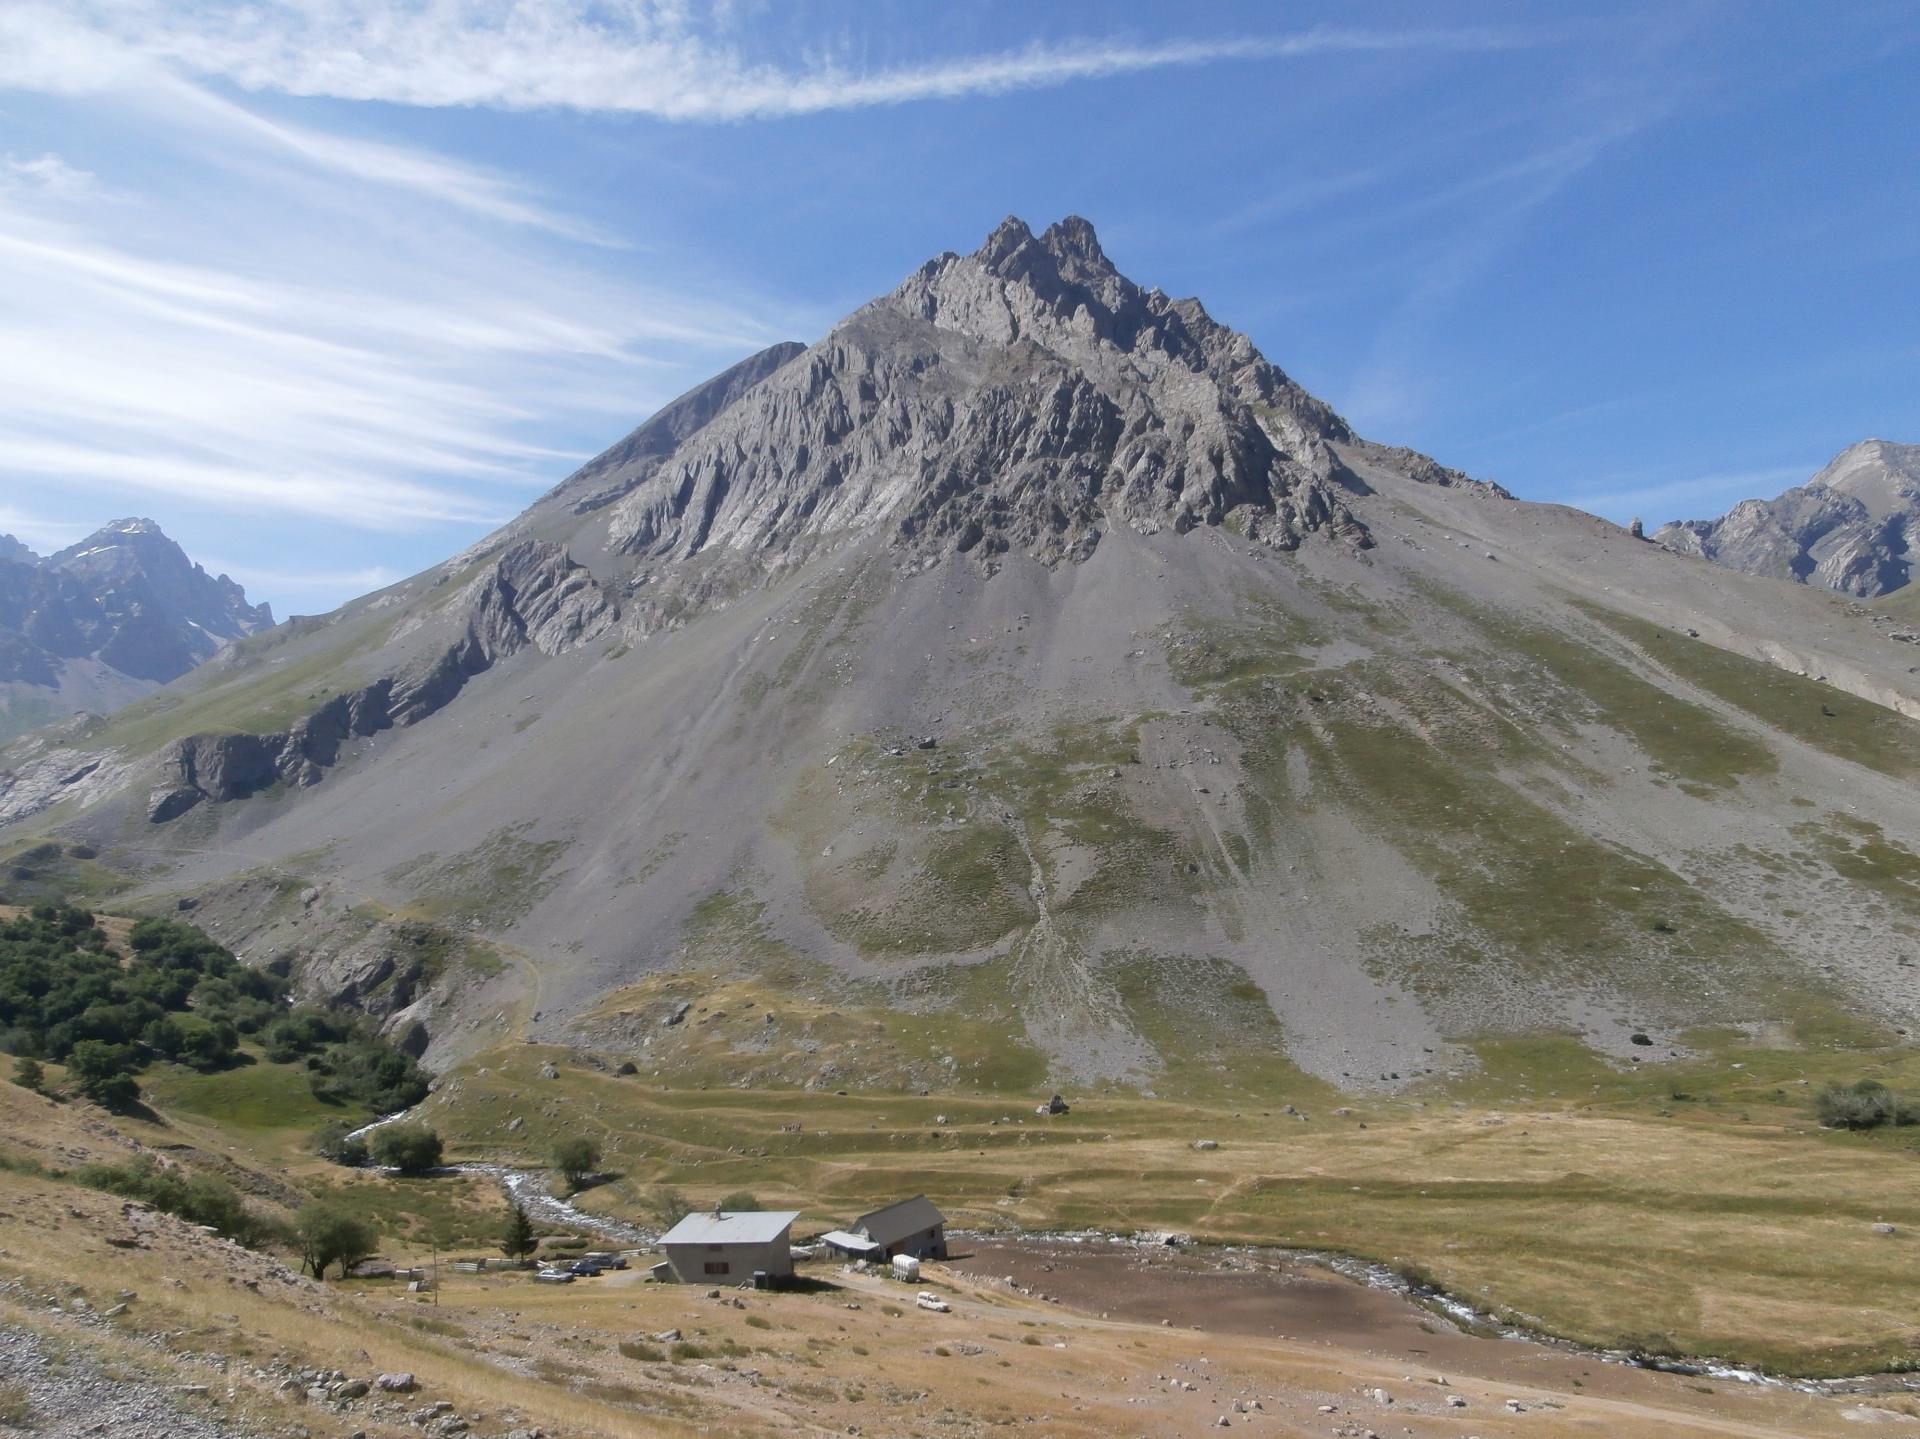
<point>529,1189</point>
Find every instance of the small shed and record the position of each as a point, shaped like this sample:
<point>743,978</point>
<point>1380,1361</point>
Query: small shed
<point>728,1247</point>
<point>912,1226</point>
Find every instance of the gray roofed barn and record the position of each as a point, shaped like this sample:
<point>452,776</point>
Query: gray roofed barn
<point>913,1226</point>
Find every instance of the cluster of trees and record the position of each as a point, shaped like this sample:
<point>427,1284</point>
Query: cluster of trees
<point>409,1148</point>
<point>1865,1104</point>
<point>65,996</point>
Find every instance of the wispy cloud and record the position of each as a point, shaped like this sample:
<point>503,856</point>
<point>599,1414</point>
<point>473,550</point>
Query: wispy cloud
<point>47,176</point>
<point>36,531</point>
<point>1500,201</point>
<point>647,57</point>
<point>86,50</point>
<point>370,379</point>
<point>1657,501</point>
<point>297,590</point>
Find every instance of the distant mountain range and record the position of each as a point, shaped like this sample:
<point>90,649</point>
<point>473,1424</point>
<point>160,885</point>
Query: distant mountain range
<point>1849,528</point>
<point>106,621</point>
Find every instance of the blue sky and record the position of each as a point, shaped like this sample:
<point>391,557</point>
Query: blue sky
<point>330,287</point>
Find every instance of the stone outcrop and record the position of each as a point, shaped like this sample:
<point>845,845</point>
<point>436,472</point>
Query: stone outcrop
<point>533,595</point>
<point>1847,529</point>
<point>1023,398</point>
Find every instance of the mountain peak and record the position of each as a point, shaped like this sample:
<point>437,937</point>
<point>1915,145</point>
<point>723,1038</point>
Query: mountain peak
<point>1845,529</point>
<point>1073,239</point>
<point>1008,236</point>
<point>1066,254</point>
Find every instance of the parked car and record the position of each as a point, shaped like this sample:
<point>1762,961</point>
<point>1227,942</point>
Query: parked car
<point>586,1268</point>
<point>552,1276</point>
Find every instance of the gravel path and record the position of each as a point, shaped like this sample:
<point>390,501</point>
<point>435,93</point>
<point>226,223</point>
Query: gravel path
<point>55,1391</point>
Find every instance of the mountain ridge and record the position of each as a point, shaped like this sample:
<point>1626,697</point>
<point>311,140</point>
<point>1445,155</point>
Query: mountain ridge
<point>1847,528</point>
<point>107,619</point>
<point>1028,650</point>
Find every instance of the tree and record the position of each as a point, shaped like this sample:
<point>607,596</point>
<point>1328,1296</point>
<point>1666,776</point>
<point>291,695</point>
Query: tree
<point>518,1240</point>
<point>207,1047</point>
<point>741,1201</point>
<point>328,1235</point>
<point>28,1074</point>
<point>577,1160</point>
<point>409,1148</point>
<point>105,1072</point>
<point>669,1207</point>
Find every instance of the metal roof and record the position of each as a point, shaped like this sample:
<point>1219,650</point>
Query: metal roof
<point>840,1239</point>
<point>759,1226</point>
<point>897,1221</point>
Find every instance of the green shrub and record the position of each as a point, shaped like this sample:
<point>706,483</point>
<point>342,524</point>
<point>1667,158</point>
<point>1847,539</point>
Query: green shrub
<point>338,1142</point>
<point>1864,1104</point>
<point>739,1202</point>
<point>647,1353</point>
<point>105,1072</point>
<point>409,1148</point>
<point>196,1198</point>
<point>28,1074</point>
<point>668,1207</point>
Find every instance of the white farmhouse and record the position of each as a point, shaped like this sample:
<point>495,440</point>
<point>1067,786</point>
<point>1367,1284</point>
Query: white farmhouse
<point>722,1247</point>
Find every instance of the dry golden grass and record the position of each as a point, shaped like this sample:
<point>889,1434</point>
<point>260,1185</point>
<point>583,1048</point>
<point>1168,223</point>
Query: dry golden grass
<point>1734,1228</point>
<point>805,1363</point>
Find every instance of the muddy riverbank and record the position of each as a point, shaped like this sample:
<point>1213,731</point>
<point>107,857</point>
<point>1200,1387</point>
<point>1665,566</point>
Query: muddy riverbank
<point>1276,1295</point>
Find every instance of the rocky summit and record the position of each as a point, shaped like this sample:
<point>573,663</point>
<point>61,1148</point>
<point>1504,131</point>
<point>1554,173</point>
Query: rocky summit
<point>1846,529</point>
<point>1031,666</point>
<point>106,621</point>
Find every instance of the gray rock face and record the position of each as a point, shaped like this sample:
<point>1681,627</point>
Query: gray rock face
<point>533,595</point>
<point>620,468</point>
<point>889,660</point>
<point>1846,529</point>
<point>1022,398</point>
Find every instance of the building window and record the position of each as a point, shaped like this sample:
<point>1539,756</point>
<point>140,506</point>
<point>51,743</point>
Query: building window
<point>718,1266</point>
